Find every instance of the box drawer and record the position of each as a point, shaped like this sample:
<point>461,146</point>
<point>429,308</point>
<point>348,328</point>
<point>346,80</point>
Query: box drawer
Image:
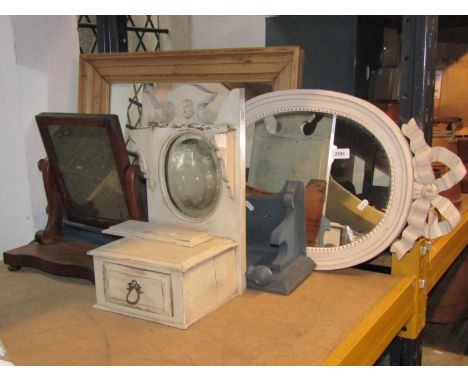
<point>137,288</point>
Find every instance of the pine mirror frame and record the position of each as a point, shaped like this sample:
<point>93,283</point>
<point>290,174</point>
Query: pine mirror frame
<point>397,150</point>
<point>279,67</point>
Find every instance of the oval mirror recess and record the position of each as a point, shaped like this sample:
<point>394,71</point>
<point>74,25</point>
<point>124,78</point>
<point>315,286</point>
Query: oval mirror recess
<point>355,164</point>
<point>192,175</point>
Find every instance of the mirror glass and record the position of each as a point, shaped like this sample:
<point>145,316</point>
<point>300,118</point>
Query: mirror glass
<point>86,162</point>
<point>344,168</point>
<point>193,175</point>
<point>358,186</point>
<point>290,146</point>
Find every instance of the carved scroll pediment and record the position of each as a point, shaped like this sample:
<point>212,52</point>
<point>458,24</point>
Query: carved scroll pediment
<point>184,105</point>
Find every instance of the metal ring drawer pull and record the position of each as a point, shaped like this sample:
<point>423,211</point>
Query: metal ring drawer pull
<point>134,286</point>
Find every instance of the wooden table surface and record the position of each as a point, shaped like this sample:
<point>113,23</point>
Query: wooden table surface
<point>337,317</point>
<point>49,320</point>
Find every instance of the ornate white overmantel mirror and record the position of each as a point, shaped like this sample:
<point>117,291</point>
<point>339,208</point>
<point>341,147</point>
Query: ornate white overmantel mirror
<point>357,166</point>
<point>192,158</point>
<point>189,258</point>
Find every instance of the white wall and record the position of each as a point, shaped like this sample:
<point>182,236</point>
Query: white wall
<point>179,36</point>
<point>227,32</point>
<point>38,73</point>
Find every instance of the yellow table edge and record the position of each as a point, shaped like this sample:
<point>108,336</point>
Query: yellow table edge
<point>445,250</point>
<point>370,338</point>
<point>429,269</point>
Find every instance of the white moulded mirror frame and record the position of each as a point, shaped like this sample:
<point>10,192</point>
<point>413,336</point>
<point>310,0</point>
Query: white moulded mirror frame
<point>386,132</point>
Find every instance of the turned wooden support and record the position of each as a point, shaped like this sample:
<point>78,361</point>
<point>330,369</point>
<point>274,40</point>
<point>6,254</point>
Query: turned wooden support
<point>133,179</point>
<point>53,231</point>
<point>314,195</point>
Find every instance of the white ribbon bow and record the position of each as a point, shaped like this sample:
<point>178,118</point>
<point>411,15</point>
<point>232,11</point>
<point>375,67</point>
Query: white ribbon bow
<point>428,205</point>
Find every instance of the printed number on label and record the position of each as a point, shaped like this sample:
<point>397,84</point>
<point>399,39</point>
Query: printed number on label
<point>341,154</point>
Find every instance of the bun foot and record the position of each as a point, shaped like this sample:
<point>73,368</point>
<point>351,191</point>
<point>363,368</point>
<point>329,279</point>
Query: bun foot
<point>13,268</point>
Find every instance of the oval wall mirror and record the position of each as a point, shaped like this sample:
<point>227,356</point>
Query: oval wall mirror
<point>354,161</point>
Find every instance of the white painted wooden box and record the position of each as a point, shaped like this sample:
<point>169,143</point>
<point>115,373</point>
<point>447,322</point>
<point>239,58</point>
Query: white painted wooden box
<point>163,282</point>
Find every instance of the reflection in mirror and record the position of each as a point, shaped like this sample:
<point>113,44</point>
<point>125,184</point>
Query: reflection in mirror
<point>86,162</point>
<point>292,146</point>
<point>359,186</point>
<point>344,168</point>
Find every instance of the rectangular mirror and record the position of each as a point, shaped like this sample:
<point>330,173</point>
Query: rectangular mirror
<point>88,159</point>
<point>258,70</point>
